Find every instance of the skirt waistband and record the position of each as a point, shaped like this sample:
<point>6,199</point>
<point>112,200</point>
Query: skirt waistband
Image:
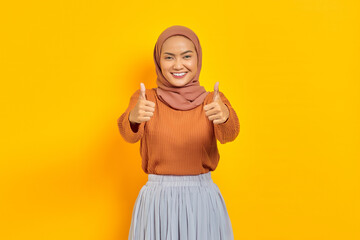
<point>180,180</point>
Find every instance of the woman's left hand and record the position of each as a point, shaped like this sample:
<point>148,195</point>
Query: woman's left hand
<point>217,111</point>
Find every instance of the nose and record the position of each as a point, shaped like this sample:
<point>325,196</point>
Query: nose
<point>178,64</point>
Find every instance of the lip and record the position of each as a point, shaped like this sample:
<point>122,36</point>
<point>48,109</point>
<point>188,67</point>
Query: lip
<point>179,76</point>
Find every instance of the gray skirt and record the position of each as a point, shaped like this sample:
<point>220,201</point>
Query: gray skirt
<point>173,207</point>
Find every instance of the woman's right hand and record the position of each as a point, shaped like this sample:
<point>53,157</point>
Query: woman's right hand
<point>143,110</point>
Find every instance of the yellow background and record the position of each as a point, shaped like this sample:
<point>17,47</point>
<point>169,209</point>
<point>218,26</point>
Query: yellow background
<point>289,68</point>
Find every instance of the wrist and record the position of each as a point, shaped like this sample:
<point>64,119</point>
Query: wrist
<point>131,122</point>
<point>134,126</point>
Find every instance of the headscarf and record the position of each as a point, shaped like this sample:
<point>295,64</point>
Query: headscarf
<point>191,94</point>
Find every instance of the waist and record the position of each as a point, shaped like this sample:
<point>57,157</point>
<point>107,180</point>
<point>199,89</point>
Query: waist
<point>183,180</point>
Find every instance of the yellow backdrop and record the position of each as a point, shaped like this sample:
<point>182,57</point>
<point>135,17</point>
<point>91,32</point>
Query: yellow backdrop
<point>290,69</point>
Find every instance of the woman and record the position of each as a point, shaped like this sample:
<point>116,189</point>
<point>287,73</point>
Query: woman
<point>178,124</point>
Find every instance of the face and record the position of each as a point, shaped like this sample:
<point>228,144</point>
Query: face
<point>178,55</point>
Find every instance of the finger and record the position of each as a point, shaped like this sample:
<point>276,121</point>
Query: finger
<point>217,121</point>
<point>211,112</point>
<point>142,91</point>
<point>216,91</point>
<point>146,114</point>
<point>148,109</point>
<point>214,116</point>
<point>149,103</point>
<point>209,106</point>
<point>144,119</point>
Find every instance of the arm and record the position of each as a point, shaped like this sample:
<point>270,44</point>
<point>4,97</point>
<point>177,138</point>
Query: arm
<point>228,130</point>
<point>131,132</point>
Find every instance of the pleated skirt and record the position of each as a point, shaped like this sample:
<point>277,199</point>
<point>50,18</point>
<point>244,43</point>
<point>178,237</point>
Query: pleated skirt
<point>173,207</point>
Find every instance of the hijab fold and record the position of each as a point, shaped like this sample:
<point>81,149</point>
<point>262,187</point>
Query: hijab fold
<point>190,95</point>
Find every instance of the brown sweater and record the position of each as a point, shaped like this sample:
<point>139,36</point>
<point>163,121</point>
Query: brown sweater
<point>177,142</point>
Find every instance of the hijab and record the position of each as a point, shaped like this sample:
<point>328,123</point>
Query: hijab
<point>191,94</point>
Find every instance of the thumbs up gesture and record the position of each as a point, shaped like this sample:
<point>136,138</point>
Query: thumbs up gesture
<point>143,109</point>
<point>217,111</point>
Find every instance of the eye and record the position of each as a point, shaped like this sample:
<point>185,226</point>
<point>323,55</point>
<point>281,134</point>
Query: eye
<point>188,56</point>
<point>167,57</point>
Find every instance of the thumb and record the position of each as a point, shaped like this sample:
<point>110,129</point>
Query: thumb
<point>142,91</point>
<point>216,92</point>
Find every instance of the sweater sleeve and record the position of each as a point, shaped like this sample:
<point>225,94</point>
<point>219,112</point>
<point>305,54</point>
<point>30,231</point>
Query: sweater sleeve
<point>127,132</point>
<point>228,130</point>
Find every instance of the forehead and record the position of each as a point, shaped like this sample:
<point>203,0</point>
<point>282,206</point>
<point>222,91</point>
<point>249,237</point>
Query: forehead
<point>177,44</point>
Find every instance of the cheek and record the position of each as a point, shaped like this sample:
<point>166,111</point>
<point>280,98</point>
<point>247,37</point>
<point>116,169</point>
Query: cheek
<point>193,65</point>
<point>164,67</point>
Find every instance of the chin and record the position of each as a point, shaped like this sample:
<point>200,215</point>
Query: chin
<point>177,85</point>
<point>181,84</point>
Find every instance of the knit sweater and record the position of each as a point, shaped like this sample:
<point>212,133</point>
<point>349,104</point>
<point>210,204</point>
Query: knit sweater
<point>178,142</point>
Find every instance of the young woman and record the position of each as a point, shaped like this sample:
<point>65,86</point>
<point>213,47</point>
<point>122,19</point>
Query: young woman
<point>178,124</point>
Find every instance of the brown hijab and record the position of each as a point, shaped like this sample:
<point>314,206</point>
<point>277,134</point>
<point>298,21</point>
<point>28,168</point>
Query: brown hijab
<point>190,95</point>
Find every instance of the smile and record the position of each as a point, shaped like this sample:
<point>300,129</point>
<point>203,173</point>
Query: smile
<point>179,75</point>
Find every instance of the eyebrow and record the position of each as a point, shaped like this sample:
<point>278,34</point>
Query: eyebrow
<point>180,54</point>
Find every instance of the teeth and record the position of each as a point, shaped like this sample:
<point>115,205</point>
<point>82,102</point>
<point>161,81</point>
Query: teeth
<point>179,74</point>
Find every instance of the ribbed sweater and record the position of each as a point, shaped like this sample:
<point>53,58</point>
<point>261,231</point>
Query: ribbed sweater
<point>177,142</point>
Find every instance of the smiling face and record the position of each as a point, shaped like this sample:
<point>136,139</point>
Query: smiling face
<point>178,55</point>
